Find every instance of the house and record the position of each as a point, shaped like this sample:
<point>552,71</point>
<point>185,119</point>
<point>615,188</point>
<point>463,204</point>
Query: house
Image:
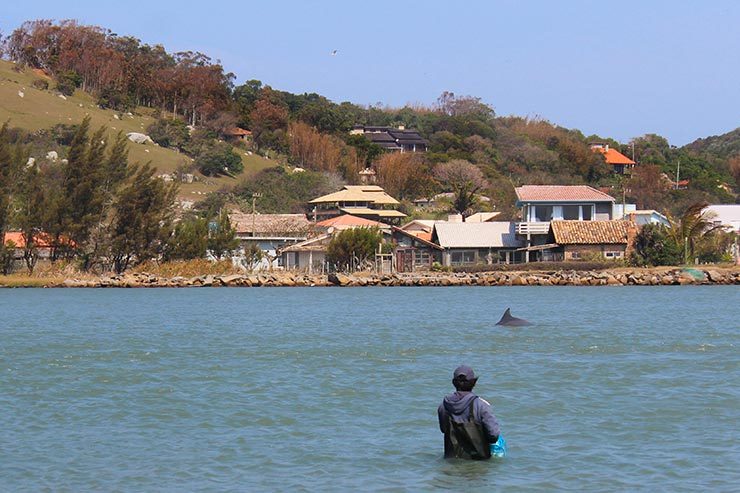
<point>413,252</point>
<point>308,255</point>
<point>238,134</point>
<point>727,215</point>
<point>392,139</point>
<point>578,240</point>
<point>477,243</point>
<point>421,228</point>
<point>367,201</point>
<point>270,232</point>
<point>647,216</point>
<point>620,163</point>
<point>43,244</point>
<point>541,204</point>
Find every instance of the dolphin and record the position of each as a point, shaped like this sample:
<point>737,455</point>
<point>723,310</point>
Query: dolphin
<point>509,321</point>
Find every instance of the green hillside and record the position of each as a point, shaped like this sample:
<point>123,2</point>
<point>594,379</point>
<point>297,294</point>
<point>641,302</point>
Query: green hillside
<point>42,109</point>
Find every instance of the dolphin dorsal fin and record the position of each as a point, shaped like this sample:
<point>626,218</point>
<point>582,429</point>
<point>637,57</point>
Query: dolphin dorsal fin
<point>505,317</point>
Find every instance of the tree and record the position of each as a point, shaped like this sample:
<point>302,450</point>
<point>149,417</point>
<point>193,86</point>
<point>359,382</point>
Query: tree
<point>222,239</point>
<point>142,218</point>
<point>313,150</point>
<point>353,247</point>
<point>189,240</point>
<point>654,246</point>
<point>405,175</point>
<point>367,151</point>
<point>647,187</point>
<point>687,229</point>
<point>464,180</point>
<point>268,118</point>
<point>253,255</point>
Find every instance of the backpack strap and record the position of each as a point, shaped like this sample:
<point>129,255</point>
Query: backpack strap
<point>471,417</point>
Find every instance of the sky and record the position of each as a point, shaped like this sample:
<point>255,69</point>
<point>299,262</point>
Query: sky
<point>618,69</point>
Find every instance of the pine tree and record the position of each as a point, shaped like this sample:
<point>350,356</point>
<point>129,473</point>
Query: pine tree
<point>142,218</point>
<point>222,239</point>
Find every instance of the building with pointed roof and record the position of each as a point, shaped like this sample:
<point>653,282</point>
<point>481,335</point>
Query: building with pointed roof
<point>620,163</point>
<point>366,201</point>
<point>392,139</point>
<point>578,239</point>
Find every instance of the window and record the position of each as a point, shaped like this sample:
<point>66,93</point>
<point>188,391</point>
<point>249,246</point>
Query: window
<point>462,257</point>
<point>543,213</point>
<point>572,212</point>
<point>421,257</point>
<point>586,212</point>
<point>612,255</point>
<point>575,255</point>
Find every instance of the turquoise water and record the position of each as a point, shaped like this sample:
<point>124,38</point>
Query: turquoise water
<point>329,389</point>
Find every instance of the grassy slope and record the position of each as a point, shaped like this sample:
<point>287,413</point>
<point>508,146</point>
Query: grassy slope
<point>44,109</point>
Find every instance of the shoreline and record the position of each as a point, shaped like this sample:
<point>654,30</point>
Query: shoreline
<point>614,277</point>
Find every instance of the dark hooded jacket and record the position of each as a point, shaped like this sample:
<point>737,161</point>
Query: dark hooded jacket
<point>457,405</point>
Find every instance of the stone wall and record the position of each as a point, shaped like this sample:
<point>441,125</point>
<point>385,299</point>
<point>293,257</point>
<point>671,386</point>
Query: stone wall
<point>619,277</point>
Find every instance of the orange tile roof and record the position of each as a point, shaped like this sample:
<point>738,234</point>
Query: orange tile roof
<point>238,131</point>
<point>590,232</point>
<point>561,193</point>
<point>613,156</point>
<point>42,240</point>
<point>347,220</point>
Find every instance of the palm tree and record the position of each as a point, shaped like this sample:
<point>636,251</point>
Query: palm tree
<point>688,229</point>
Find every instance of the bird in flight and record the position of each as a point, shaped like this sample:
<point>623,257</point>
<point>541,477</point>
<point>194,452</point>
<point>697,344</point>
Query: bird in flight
<point>334,52</point>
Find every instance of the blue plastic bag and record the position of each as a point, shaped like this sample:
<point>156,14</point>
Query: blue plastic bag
<point>498,449</point>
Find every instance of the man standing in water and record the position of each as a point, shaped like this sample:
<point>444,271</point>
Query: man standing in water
<point>469,426</point>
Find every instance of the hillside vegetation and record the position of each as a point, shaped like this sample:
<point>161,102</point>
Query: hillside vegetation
<point>42,109</point>
<point>118,75</point>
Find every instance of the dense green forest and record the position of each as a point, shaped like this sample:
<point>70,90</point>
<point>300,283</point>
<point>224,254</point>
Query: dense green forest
<point>312,132</point>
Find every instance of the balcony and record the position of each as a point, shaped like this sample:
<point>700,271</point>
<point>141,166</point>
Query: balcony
<point>533,228</point>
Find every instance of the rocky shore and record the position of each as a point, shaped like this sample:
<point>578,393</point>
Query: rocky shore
<point>618,277</point>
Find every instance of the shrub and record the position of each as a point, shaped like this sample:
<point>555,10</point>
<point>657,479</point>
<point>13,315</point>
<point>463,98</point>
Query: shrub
<point>40,84</point>
<point>654,246</point>
<point>68,81</point>
<point>219,159</point>
<point>169,133</point>
<point>353,247</point>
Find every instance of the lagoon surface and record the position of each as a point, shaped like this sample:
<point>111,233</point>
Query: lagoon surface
<point>336,389</point>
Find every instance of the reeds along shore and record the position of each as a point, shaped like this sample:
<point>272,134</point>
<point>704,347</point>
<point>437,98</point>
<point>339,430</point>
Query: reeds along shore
<point>621,277</point>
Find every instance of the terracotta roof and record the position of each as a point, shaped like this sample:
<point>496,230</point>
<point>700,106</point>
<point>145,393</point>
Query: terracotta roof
<point>561,193</point>
<point>348,220</point>
<point>270,224</point>
<point>238,131</point>
<point>357,193</point>
<point>613,156</point>
<point>42,240</point>
<point>426,239</point>
<point>589,232</point>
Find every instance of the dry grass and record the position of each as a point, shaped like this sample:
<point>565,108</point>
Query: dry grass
<point>26,281</point>
<point>187,268</point>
